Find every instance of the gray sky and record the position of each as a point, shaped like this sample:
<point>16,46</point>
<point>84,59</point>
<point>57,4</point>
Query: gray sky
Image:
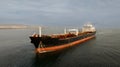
<point>102,13</point>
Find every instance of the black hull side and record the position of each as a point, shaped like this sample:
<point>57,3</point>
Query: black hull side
<point>48,41</point>
<point>35,41</point>
<point>64,41</point>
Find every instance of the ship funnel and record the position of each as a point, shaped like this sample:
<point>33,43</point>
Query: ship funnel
<point>40,31</point>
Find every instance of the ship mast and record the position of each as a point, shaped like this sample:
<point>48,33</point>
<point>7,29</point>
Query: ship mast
<point>40,31</point>
<point>65,31</point>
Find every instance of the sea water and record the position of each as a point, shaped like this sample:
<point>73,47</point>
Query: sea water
<point>102,51</point>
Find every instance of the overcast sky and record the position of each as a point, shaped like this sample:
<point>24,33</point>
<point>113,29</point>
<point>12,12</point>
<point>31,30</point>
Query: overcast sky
<point>102,13</point>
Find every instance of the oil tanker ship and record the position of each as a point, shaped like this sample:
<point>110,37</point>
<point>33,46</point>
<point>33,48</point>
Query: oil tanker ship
<point>57,42</point>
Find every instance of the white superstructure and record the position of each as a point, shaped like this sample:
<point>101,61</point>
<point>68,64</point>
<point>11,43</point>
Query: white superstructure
<point>88,28</point>
<point>74,31</point>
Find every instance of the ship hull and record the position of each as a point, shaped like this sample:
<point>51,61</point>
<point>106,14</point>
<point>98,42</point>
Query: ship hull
<point>55,44</point>
<point>62,47</point>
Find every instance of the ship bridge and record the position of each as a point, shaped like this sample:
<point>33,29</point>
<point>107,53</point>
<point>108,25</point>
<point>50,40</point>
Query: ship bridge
<point>88,28</point>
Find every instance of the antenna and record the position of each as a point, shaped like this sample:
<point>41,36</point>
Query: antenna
<point>40,31</point>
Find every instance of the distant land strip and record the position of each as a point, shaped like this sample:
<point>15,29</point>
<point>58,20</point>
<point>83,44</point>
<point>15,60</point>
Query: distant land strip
<point>16,26</point>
